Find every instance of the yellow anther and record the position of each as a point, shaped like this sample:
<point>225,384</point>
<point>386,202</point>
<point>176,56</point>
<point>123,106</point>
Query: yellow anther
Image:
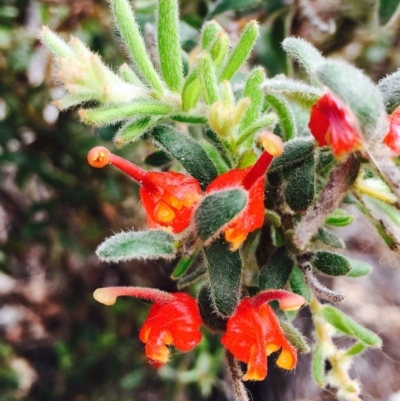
<point>164,214</point>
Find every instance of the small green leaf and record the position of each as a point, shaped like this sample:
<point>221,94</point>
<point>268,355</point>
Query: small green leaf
<point>158,158</point>
<point>318,366</point>
<point>131,131</point>
<point>356,349</point>
<point>219,49</point>
<point>191,91</point>
<point>304,53</point>
<point>151,244</point>
<point>295,337</point>
<point>169,47</point>
<point>130,32</point>
<point>294,152</point>
<point>299,190</point>
<point>276,273</point>
<point>356,90</point>
<point>298,284</point>
<point>328,237</point>
<point>209,33</point>
<point>339,218</point>
<point>347,325</point>
<point>284,113</point>
<point>207,77</point>
<point>331,263</point>
<point>187,152</point>
<point>252,90</point>
<point>55,44</point>
<point>209,315</point>
<point>215,156</point>
<point>387,8</point>
<point>390,89</point>
<point>183,265</point>
<point>241,51</point>
<point>358,268</point>
<point>224,272</point>
<point>217,210</point>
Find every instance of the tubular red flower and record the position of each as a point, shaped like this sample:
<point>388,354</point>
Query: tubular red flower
<point>168,198</point>
<point>392,138</point>
<point>251,217</point>
<point>174,319</point>
<point>253,332</point>
<point>333,123</point>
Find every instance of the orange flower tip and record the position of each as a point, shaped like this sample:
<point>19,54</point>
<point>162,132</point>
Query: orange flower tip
<point>253,375</point>
<point>158,354</point>
<point>99,157</point>
<point>291,302</point>
<point>286,360</point>
<point>164,214</point>
<point>271,143</point>
<point>235,238</point>
<point>104,296</point>
<point>270,348</point>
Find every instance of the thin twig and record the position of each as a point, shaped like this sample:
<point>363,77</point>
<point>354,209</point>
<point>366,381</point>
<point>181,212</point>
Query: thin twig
<point>340,180</point>
<point>235,374</point>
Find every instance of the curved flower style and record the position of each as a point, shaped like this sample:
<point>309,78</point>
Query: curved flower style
<point>392,138</point>
<point>168,198</point>
<point>174,319</point>
<point>253,333</point>
<point>252,216</point>
<point>333,123</point>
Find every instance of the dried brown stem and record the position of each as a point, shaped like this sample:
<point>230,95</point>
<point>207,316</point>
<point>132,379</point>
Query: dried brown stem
<point>235,374</point>
<point>340,180</point>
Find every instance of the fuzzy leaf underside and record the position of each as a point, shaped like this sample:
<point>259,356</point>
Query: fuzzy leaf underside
<point>151,244</point>
<point>217,210</point>
<point>224,272</point>
<point>187,152</point>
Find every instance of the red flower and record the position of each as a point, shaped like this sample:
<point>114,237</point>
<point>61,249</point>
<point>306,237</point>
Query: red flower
<point>174,319</point>
<point>392,138</point>
<point>168,198</point>
<point>333,123</point>
<point>252,216</point>
<point>253,333</point>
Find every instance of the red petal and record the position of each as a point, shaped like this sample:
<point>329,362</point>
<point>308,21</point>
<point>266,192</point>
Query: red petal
<point>392,138</point>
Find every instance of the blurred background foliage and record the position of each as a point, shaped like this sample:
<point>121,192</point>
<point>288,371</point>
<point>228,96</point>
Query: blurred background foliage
<point>57,343</point>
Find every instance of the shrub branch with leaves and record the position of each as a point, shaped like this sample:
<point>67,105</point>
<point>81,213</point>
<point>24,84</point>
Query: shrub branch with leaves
<point>268,170</point>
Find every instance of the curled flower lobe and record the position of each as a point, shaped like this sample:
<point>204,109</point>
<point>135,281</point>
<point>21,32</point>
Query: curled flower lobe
<point>253,332</point>
<point>333,123</point>
<point>392,138</point>
<point>174,319</point>
<point>251,217</point>
<point>168,198</point>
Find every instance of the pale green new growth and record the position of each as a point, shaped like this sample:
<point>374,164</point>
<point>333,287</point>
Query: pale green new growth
<point>219,49</point>
<point>208,79</point>
<point>132,131</point>
<point>305,54</point>
<point>128,75</point>
<point>168,44</point>
<point>215,156</point>
<point>209,33</point>
<point>191,91</point>
<point>241,51</point>
<point>110,115</point>
<point>129,30</point>
<point>266,121</point>
<point>252,90</point>
<point>56,45</point>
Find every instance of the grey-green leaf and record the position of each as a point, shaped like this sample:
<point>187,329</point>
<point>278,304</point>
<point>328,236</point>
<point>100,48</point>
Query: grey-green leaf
<point>276,272</point>
<point>187,152</point>
<point>151,244</point>
<point>295,151</point>
<point>299,190</point>
<point>347,325</point>
<point>331,263</point>
<point>295,337</point>
<point>390,89</point>
<point>218,209</point>
<point>358,268</point>
<point>224,272</point>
